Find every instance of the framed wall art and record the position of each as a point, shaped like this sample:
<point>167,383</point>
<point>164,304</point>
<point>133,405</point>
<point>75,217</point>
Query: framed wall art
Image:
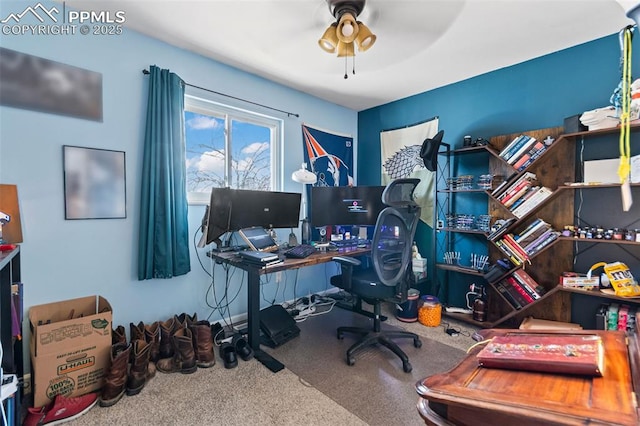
<point>94,183</point>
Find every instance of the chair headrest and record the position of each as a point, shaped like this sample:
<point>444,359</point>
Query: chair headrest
<point>399,193</point>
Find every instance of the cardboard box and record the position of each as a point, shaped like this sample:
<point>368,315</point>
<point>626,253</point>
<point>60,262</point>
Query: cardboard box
<point>575,280</point>
<point>70,347</point>
<point>531,323</point>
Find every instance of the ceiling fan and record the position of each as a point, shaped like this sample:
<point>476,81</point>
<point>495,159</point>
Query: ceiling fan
<point>346,32</point>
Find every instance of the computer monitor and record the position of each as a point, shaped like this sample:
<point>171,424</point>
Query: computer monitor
<point>234,209</point>
<point>268,209</point>
<point>346,205</point>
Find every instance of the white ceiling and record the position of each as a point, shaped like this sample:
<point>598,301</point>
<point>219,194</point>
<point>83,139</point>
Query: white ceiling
<point>421,45</point>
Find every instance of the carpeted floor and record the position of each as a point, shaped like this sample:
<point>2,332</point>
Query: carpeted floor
<point>315,388</point>
<point>376,388</point>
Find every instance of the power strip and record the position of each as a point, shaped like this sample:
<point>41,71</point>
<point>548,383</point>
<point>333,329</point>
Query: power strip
<point>306,311</point>
<point>453,309</point>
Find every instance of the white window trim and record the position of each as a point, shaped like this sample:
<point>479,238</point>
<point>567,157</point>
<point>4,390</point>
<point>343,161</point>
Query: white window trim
<point>208,107</point>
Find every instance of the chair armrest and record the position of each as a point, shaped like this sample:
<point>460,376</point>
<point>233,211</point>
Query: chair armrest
<point>347,260</point>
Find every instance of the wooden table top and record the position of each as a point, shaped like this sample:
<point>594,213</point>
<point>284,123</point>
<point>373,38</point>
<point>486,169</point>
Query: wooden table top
<point>473,395</point>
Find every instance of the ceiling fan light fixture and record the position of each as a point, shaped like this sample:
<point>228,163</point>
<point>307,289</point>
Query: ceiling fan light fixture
<point>365,38</point>
<point>347,28</point>
<point>346,49</point>
<point>329,40</point>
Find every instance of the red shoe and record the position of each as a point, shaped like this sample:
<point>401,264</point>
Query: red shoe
<point>60,410</point>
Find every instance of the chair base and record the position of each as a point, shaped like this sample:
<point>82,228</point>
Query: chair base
<point>372,337</point>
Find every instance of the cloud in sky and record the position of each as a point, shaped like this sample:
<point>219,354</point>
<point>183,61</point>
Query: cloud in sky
<point>201,122</point>
<point>255,148</point>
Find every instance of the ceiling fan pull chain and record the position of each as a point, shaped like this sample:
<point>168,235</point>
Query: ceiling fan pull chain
<point>354,63</point>
<point>345,68</point>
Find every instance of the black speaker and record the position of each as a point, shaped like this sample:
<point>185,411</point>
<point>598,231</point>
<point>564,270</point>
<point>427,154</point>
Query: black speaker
<point>277,326</point>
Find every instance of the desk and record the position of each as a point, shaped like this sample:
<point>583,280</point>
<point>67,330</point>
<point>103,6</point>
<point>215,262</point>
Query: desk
<point>473,395</point>
<point>253,290</point>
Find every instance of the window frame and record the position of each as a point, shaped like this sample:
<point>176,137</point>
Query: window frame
<point>212,108</point>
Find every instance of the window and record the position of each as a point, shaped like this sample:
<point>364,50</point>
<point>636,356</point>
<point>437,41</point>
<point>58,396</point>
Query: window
<point>229,147</point>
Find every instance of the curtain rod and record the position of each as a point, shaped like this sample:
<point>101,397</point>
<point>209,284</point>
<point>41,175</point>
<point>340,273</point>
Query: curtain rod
<point>289,114</point>
<point>411,125</point>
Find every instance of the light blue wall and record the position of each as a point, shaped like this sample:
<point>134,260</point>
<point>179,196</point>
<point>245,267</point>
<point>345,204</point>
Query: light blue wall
<point>64,259</point>
<point>535,94</point>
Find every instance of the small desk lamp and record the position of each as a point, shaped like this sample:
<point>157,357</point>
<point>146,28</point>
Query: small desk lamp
<point>305,177</point>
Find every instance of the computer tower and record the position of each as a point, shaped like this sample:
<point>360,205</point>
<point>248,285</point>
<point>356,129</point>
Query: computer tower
<point>277,326</point>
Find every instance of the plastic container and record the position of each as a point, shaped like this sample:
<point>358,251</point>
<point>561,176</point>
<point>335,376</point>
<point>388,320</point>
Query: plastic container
<point>430,313</point>
<point>407,311</point>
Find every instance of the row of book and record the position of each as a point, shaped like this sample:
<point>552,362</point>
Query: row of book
<point>520,248</point>
<point>522,195</point>
<point>519,289</point>
<point>522,151</point>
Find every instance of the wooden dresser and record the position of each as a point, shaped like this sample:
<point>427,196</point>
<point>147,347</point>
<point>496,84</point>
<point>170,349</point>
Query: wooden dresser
<point>473,395</point>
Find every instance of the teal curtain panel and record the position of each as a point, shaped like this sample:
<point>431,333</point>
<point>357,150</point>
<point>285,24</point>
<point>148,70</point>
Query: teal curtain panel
<point>164,234</point>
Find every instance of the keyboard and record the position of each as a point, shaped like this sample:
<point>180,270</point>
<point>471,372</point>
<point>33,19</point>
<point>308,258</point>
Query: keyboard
<point>300,251</point>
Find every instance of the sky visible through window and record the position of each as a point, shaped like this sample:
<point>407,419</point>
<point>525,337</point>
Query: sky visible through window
<point>205,146</point>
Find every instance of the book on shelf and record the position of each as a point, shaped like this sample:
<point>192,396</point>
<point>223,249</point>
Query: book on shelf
<point>504,227</point>
<point>525,295</point>
<point>525,146</point>
<point>508,252</point>
<point>533,158</point>
<point>503,185</point>
<point>524,157</point>
<point>532,245</point>
<point>542,194</point>
<point>511,147</point>
<point>520,145</point>
<point>513,244</point>
<point>530,193</point>
<point>530,229</point>
<point>524,187</point>
<point>529,284</point>
<point>571,353</point>
<point>500,287</point>
<point>550,239</point>
<point>516,185</point>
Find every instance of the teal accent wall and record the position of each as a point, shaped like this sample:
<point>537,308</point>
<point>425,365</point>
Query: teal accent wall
<point>535,94</point>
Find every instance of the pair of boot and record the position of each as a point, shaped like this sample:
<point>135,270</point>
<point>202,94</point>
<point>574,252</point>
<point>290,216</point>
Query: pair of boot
<point>130,366</point>
<point>185,345</point>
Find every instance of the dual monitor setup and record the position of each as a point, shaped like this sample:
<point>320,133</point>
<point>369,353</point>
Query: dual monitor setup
<point>231,210</point>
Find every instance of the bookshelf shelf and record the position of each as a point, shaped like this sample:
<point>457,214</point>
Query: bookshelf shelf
<point>461,269</point>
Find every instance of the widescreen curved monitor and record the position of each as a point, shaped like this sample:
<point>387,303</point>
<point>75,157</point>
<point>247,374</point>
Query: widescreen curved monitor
<point>234,209</point>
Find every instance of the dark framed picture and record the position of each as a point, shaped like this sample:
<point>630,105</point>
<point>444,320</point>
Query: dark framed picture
<point>94,183</point>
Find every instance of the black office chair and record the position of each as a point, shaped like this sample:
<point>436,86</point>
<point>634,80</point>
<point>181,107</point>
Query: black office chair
<point>390,277</point>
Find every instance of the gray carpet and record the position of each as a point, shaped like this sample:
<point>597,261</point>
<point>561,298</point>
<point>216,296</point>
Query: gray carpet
<point>376,389</point>
<point>315,388</point>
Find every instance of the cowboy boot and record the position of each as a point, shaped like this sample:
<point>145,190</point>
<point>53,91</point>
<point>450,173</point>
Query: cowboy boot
<point>116,377</point>
<point>152,336</point>
<point>184,346</point>
<point>186,319</point>
<point>137,331</point>
<point>139,370</point>
<point>166,342</point>
<point>203,344</point>
<point>118,335</point>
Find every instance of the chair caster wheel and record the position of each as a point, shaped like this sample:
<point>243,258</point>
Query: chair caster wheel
<point>417,343</point>
<point>407,367</point>
<point>351,360</point>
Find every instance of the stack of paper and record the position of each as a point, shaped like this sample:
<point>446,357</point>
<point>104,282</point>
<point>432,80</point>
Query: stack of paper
<point>600,118</point>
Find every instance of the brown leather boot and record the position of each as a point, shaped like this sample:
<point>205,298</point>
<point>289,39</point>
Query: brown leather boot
<point>184,357</point>
<point>139,370</point>
<point>152,336</point>
<point>137,331</point>
<point>186,319</point>
<point>115,379</point>
<point>166,342</point>
<point>118,335</point>
<point>203,344</point>
<point>184,346</point>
